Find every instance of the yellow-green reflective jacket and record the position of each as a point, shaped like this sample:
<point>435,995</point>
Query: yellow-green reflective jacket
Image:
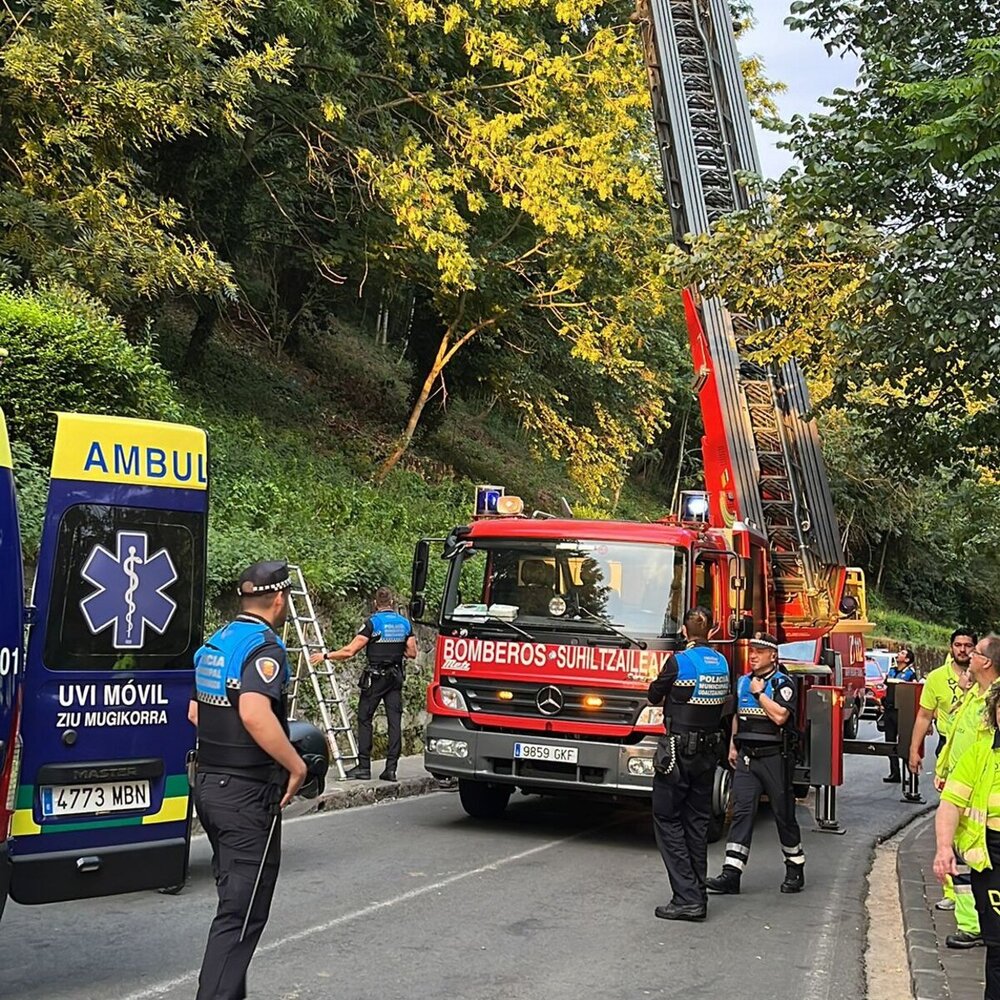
<point>974,787</point>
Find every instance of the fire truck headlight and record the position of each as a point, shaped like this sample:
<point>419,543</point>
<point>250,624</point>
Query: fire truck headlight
<point>640,767</point>
<point>453,699</point>
<point>651,715</point>
<point>449,748</point>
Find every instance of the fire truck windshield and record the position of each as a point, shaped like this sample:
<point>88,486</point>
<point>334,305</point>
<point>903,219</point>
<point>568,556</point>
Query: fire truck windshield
<point>638,588</point>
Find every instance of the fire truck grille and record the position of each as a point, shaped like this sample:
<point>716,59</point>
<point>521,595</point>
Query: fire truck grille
<point>619,708</point>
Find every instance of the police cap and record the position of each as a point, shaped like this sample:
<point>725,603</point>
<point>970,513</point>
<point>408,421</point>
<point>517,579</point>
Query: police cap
<point>762,640</point>
<point>264,578</point>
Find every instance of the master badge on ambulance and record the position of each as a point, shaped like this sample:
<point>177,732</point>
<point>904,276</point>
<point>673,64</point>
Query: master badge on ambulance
<point>267,668</point>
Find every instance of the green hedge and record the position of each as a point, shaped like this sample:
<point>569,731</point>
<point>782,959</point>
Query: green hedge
<point>67,352</point>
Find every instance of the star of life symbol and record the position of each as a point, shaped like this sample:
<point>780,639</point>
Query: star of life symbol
<point>130,586</point>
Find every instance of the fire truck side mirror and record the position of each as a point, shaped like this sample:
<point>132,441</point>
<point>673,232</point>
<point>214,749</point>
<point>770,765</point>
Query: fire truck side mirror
<point>418,578</point>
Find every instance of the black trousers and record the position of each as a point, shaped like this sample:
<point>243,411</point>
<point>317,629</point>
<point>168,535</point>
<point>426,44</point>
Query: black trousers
<point>682,807</point>
<point>891,719</point>
<point>237,815</point>
<point>986,890</point>
<point>383,689</point>
<point>772,776</point>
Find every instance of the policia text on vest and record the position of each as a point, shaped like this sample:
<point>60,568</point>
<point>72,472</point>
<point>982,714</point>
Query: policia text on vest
<point>692,687</point>
<point>387,639</point>
<point>247,771</point>
<point>762,753</point>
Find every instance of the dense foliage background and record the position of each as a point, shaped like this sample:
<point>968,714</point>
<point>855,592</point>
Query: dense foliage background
<point>385,248</point>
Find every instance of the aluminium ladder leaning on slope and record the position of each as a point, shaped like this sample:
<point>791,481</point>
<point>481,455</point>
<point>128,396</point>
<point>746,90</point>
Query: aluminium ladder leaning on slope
<point>330,702</point>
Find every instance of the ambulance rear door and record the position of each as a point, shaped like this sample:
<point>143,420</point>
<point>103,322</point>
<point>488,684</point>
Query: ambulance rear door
<point>102,804</point>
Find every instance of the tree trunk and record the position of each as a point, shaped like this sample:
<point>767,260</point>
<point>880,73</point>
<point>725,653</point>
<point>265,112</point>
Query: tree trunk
<point>881,563</point>
<point>208,313</point>
<point>447,349</point>
<point>404,439</point>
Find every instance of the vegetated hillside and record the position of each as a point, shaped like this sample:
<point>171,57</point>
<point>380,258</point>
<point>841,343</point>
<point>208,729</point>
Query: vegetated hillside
<point>293,444</point>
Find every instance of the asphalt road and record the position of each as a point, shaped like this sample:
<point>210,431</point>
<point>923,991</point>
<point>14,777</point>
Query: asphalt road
<point>414,901</point>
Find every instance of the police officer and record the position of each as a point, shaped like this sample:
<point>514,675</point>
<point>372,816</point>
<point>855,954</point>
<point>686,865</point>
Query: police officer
<point>762,754</point>
<point>386,637</point>
<point>692,687</point>
<point>247,771</point>
<point>901,671</point>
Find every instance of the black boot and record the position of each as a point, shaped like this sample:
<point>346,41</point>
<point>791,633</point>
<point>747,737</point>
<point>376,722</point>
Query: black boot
<point>726,883</point>
<point>389,774</point>
<point>362,772</point>
<point>795,878</point>
<point>893,778</point>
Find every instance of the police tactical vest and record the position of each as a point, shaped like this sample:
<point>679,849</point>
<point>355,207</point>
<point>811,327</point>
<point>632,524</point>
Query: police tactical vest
<point>392,630</point>
<point>755,726</point>
<point>223,742</point>
<point>705,674</point>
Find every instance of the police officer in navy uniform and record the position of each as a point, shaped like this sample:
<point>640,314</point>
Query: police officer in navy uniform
<point>693,688</point>
<point>762,753</point>
<point>901,671</point>
<point>386,637</point>
<point>247,771</point>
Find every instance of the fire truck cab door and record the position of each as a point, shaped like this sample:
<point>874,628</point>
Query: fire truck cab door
<point>102,805</point>
<point>11,646</point>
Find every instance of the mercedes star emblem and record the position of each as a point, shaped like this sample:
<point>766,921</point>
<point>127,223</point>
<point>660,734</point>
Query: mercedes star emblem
<point>549,701</point>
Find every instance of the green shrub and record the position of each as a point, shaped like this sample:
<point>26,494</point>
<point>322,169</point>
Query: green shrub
<point>32,481</point>
<point>67,352</point>
<point>896,625</point>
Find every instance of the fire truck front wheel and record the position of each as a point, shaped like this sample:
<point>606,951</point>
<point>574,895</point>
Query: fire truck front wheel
<point>482,800</point>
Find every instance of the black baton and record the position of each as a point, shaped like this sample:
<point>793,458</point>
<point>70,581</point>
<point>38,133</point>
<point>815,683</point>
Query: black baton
<point>260,872</point>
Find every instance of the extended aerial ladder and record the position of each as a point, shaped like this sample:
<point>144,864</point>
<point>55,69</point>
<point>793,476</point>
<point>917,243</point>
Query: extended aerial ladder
<point>762,458</point>
<point>761,451</point>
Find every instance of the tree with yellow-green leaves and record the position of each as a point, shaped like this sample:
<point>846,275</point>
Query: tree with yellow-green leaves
<point>91,94</point>
<point>504,154</point>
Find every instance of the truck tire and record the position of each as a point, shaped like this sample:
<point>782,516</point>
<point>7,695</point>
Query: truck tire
<point>721,802</point>
<point>482,800</point>
<point>851,724</point>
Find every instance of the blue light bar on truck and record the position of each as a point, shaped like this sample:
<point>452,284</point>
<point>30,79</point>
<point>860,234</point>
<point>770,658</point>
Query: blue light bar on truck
<point>487,498</point>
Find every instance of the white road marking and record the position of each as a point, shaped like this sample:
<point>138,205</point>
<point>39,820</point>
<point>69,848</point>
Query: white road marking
<point>161,989</point>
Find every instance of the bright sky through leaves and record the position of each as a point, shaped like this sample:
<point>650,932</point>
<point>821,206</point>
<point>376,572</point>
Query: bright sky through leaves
<point>802,64</point>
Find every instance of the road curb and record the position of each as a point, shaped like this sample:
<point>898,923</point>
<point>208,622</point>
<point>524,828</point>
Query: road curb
<point>361,793</point>
<point>927,976</point>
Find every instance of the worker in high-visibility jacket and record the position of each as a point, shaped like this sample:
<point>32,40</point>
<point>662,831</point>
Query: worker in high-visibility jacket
<point>967,726</point>
<point>943,692</point>
<point>968,819</point>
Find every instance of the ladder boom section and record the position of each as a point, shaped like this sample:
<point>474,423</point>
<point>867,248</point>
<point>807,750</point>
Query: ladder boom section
<point>763,463</point>
<point>729,456</point>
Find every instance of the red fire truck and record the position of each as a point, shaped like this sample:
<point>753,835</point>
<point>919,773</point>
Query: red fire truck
<point>551,627</point>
